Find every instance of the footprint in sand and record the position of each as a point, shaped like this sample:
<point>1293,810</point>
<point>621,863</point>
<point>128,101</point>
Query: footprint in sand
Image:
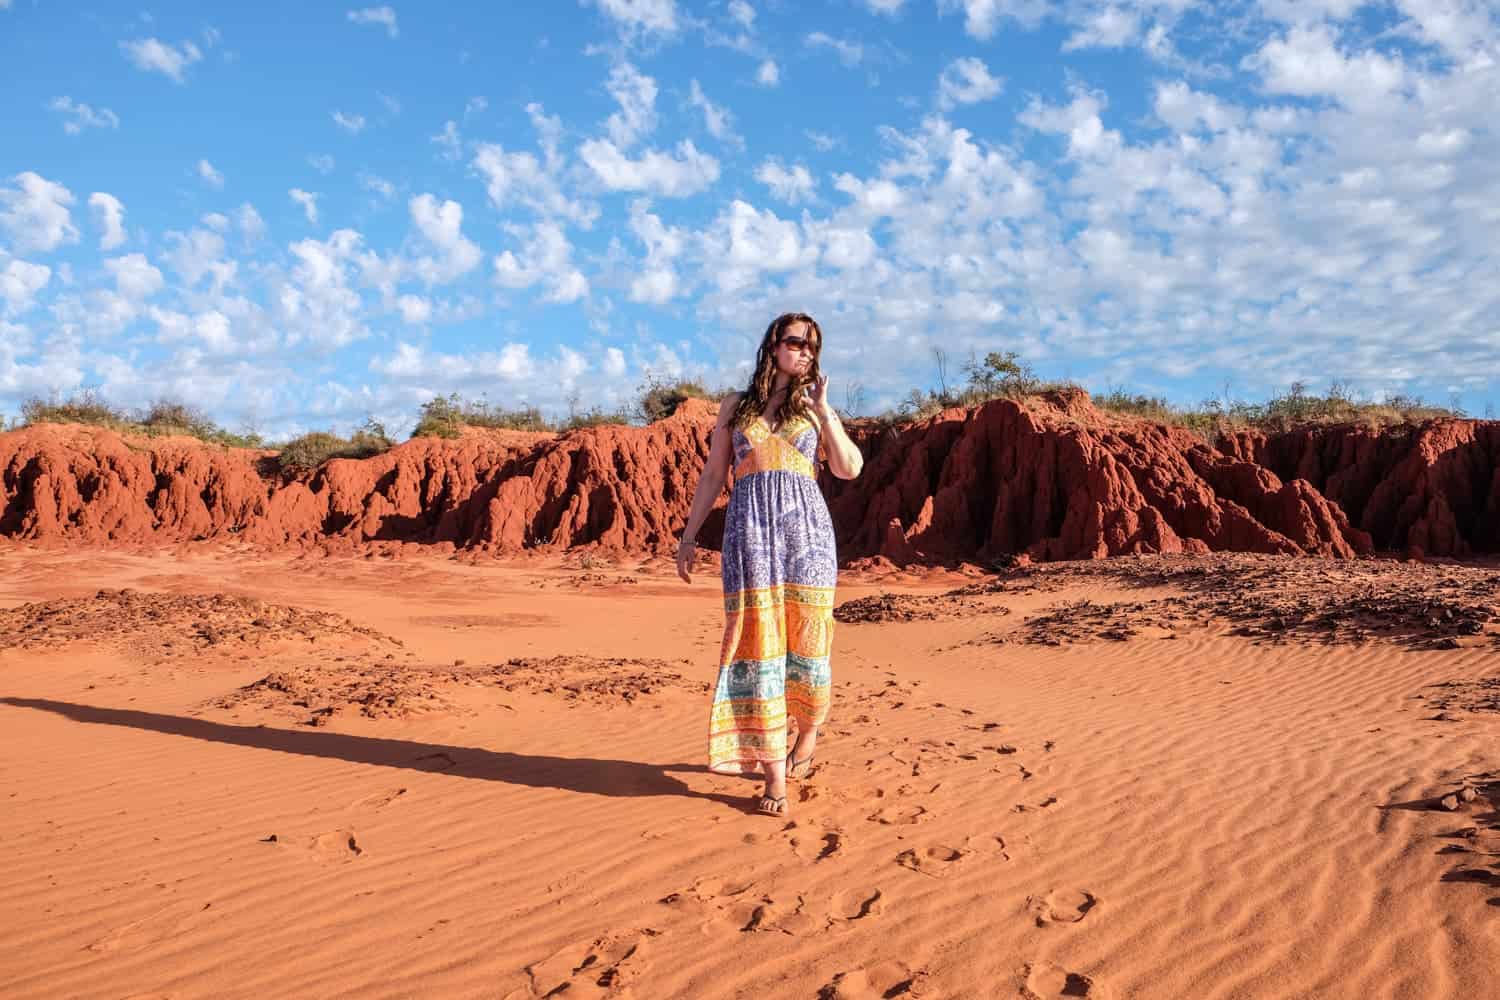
<point>165,923</point>
<point>812,793</point>
<point>336,847</point>
<point>1049,802</point>
<point>380,799</point>
<point>1061,906</point>
<point>833,842</point>
<point>727,900</point>
<point>782,917</point>
<point>857,904</point>
<point>612,962</point>
<point>718,891</point>
<point>815,846</point>
<point>935,861</point>
<point>439,761</point>
<point>885,979</point>
<point>898,815</point>
<point>990,845</point>
<point>813,843</point>
<point>1045,981</point>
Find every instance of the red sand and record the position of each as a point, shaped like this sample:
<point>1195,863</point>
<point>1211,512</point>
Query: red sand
<point>249,776</point>
<point>264,735</point>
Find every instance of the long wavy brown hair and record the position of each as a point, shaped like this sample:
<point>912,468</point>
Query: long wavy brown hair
<point>753,403</point>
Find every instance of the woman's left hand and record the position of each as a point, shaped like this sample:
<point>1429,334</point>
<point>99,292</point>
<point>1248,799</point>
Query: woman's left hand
<point>817,393</point>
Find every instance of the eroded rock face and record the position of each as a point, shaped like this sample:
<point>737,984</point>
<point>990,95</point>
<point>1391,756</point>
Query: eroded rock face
<point>1430,489</point>
<point>1057,480</point>
<point>621,488</point>
<point>1048,479</point>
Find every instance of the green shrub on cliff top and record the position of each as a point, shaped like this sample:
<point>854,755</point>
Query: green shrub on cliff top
<point>164,417</point>
<point>311,450</point>
<point>445,416</point>
<point>658,398</point>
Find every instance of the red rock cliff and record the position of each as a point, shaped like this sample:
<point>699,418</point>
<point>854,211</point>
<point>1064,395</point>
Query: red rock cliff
<point>1055,479</point>
<point>1432,487</point>
<point>1052,478</point>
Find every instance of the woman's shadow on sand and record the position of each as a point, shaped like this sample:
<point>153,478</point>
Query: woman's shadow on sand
<point>589,776</point>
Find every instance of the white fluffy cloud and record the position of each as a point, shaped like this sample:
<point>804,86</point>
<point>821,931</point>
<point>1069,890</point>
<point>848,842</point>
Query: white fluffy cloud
<point>82,116</point>
<point>967,81</point>
<point>656,280</point>
<point>1109,27</point>
<point>546,259</point>
<point>351,123</point>
<point>109,215</point>
<point>441,225</point>
<point>209,175</point>
<point>745,242</point>
<point>874,197</point>
<point>156,56</point>
<point>209,331</point>
<point>377,185</point>
<point>200,253</point>
<point>791,185</point>
<point>635,92</point>
<point>769,74</point>
<point>451,142</point>
<point>316,301</point>
<point>742,12</point>
<point>849,53</point>
<point>414,309</point>
<point>309,202</point>
<point>520,178</point>
<point>672,176</point>
<point>20,281</point>
<point>512,363</point>
<point>641,15</point>
<point>252,226</point>
<point>35,213</point>
<point>380,16</point>
<point>982,18</point>
<point>716,118</point>
<point>1307,62</point>
<point>135,277</point>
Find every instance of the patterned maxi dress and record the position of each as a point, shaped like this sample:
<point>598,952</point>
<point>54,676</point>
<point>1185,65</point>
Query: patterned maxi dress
<point>778,570</point>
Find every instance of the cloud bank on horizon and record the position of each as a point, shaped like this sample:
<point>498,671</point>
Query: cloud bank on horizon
<point>299,229</point>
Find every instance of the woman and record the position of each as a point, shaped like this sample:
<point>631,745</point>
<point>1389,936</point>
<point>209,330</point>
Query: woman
<point>779,567</point>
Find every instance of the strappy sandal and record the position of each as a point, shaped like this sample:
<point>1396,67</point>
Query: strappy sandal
<point>793,765</point>
<point>772,805</point>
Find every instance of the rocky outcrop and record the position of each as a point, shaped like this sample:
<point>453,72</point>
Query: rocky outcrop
<point>1432,488</point>
<point>1055,479</point>
<point>623,488</point>
<point>1048,478</point>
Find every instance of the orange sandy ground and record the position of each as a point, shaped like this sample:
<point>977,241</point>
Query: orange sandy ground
<point>1198,816</point>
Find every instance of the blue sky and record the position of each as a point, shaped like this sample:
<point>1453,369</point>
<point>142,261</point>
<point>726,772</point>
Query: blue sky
<point>297,216</point>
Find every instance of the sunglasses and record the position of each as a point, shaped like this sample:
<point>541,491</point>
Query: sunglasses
<point>797,344</point>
